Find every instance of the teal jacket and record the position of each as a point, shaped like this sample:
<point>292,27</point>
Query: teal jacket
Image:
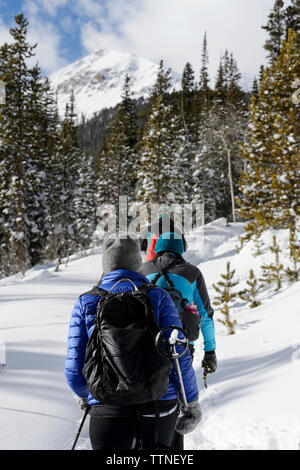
<point>189,280</point>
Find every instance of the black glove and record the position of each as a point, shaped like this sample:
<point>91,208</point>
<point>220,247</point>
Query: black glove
<point>209,362</point>
<point>188,418</point>
<point>83,403</point>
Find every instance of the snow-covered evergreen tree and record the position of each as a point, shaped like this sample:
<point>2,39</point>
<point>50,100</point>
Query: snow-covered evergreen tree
<point>205,91</point>
<point>292,17</point>
<point>276,30</point>
<point>68,207</point>
<point>159,176</point>
<point>270,184</point>
<point>221,126</point>
<point>158,171</point>
<point>18,168</point>
<point>117,165</point>
<point>255,87</point>
<point>35,199</point>
<point>85,201</point>
<point>188,103</point>
<point>187,134</point>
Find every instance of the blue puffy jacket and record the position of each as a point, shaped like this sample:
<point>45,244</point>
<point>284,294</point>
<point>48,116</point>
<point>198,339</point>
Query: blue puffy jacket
<point>82,324</point>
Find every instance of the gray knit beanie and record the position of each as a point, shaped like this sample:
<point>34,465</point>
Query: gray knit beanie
<point>121,253</point>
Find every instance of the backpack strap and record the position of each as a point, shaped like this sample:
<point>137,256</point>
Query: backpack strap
<point>154,281</point>
<point>146,287</point>
<point>164,273</point>
<point>97,291</point>
<point>124,279</point>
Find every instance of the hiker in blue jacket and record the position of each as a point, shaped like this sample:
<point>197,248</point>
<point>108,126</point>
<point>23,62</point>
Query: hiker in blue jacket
<point>116,427</point>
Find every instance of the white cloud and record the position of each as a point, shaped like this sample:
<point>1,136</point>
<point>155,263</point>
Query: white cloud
<point>48,33</point>
<point>49,6</point>
<point>48,46</point>
<point>173,30</point>
<point>88,8</point>
<point>45,34</point>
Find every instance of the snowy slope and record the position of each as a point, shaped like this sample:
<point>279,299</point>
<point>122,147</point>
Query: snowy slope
<point>98,79</point>
<point>251,402</point>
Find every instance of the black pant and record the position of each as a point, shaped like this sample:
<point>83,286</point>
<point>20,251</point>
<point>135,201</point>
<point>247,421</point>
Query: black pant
<point>126,428</point>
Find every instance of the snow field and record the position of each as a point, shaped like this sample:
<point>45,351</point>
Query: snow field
<point>252,402</point>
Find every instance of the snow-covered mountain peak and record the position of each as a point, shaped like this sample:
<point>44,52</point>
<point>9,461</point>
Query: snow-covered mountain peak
<point>98,79</point>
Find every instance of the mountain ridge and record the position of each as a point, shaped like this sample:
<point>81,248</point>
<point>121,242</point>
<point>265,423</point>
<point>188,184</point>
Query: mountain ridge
<point>97,80</point>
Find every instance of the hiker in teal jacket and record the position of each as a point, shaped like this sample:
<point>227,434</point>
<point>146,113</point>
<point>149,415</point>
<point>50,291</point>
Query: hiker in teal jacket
<point>189,280</point>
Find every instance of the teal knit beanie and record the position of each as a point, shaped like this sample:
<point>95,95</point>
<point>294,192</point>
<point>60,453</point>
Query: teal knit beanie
<point>170,242</point>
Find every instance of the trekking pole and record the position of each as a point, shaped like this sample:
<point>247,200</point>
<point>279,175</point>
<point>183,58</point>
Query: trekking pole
<point>205,378</point>
<point>173,340</point>
<point>81,426</point>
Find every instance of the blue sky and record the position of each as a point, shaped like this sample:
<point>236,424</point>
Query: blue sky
<point>173,30</point>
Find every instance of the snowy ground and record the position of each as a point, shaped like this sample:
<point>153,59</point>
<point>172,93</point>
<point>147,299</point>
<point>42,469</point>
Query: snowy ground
<point>252,402</point>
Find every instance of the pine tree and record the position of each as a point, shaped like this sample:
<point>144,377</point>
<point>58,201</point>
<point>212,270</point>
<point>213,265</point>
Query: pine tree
<point>66,186</point>
<point>261,74</point>
<point>158,172</point>
<point>85,202</point>
<point>7,198</point>
<point>118,161</point>
<point>255,88</point>
<point>16,134</point>
<point>249,294</point>
<point>204,89</point>
<point>275,29</point>
<point>293,271</point>
<point>162,85</point>
<point>202,162</point>
<point>258,245</point>
<point>188,102</point>
<point>42,192</point>
<point>36,179</point>
<point>273,273</point>
<point>104,177</point>
<point>159,176</point>
<point>270,185</point>
<point>187,133</point>
<point>208,167</point>
<point>226,124</point>
<point>225,297</point>
<point>53,170</point>
<point>221,81</point>
<point>210,182</point>
<point>292,18</point>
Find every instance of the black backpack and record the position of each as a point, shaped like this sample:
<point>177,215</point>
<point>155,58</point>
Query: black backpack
<point>189,320</point>
<point>122,366</point>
